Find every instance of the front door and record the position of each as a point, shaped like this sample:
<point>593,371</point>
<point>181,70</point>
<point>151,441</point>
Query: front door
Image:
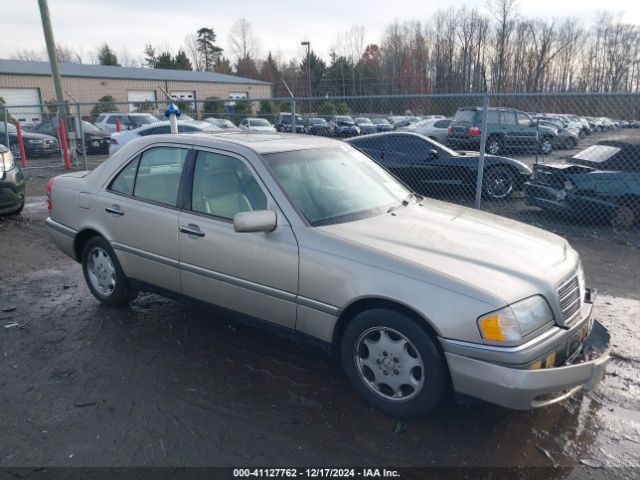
<point>252,273</point>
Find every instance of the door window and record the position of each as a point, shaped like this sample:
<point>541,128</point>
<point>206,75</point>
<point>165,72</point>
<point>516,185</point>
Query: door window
<point>523,120</point>
<point>508,118</point>
<point>123,183</point>
<point>224,186</point>
<point>159,173</point>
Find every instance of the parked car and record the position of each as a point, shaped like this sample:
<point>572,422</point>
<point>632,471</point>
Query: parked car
<point>317,126</point>
<point>119,139</point>
<point>435,128</point>
<point>365,125</point>
<point>565,139</point>
<point>310,238</point>
<point>404,122</point>
<point>128,121</point>
<point>256,125</point>
<point>382,124</point>
<point>12,184</point>
<point>222,123</point>
<point>601,182</point>
<point>284,123</point>
<point>429,167</point>
<point>35,144</point>
<point>344,126</point>
<point>95,140</point>
<point>507,130</point>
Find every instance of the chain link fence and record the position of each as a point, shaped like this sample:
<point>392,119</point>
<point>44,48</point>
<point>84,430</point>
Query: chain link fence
<point>559,161</point>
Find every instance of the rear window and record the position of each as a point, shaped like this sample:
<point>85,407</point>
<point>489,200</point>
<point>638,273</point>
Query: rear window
<point>465,116</point>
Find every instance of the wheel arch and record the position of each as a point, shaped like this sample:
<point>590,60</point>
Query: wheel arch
<point>81,239</point>
<point>370,303</point>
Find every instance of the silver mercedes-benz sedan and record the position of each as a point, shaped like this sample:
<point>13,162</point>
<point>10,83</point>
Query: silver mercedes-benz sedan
<point>415,297</point>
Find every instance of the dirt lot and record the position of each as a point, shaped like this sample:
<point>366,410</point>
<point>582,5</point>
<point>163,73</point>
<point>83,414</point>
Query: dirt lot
<point>166,384</point>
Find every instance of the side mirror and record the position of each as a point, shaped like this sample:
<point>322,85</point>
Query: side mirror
<point>255,221</point>
<point>433,154</point>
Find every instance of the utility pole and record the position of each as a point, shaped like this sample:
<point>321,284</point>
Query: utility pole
<point>308,45</point>
<point>51,50</point>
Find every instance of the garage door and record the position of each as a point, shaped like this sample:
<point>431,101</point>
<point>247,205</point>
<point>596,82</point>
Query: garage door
<point>185,96</point>
<point>136,97</point>
<point>21,99</point>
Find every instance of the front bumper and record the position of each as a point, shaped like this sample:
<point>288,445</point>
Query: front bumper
<point>560,200</point>
<point>12,191</point>
<point>526,387</point>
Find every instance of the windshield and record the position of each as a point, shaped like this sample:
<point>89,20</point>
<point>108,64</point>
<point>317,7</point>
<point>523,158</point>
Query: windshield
<point>335,185</point>
<point>381,121</point>
<point>362,120</point>
<point>465,116</point>
<point>344,118</point>
<point>7,127</point>
<point>259,122</point>
<point>142,119</point>
<point>317,121</point>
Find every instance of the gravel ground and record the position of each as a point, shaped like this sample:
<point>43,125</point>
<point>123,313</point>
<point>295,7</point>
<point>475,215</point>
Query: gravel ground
<point>166,384</point>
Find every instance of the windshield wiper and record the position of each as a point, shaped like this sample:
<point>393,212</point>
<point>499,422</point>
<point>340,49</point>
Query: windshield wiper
<point>405,202</point>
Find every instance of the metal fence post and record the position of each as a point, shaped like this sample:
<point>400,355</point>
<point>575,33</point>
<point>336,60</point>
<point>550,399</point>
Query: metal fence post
<point>6,122</point>
<point>81,133</point>
<point>293,114</point>
<point>483,142</point>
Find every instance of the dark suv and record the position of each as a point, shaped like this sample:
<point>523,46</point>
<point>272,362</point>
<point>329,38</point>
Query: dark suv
<point>507,130</point>
<point>283,123</point>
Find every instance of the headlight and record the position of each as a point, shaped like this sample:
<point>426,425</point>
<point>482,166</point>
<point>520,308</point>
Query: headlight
<point>33,140</point>
<point>569,185</point>
<point>516,321</point>
<point>6,161</point>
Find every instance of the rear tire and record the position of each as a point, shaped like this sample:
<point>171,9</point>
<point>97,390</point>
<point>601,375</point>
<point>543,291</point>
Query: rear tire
<point>494,146</point>
<point>104,275</point>
<point>15,151</point>
<point>546,146</point>
<point>570,144</point>
<point>498,183</point>
<point>393,364</point>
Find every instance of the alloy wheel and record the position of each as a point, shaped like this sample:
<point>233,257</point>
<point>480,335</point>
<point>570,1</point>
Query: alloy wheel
<point>101,271</point>
<point>389,364</point>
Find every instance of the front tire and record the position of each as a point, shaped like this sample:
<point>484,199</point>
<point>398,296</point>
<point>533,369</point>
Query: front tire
<point>393,364</point>
<point>104,275</point>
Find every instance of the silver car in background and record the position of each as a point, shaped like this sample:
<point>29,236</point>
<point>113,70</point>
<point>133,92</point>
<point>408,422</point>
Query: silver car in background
<point>435,128</point>
<point>309,237</point>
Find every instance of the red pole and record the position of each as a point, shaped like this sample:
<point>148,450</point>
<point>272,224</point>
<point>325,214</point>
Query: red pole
<point>63,143</point>
<point>117,124</point>
<point>23,155</point>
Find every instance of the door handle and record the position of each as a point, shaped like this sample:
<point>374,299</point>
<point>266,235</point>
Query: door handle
<point>191,230</point>
<point>115,210</point>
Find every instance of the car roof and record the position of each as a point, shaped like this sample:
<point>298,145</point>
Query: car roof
<point>260,143</point>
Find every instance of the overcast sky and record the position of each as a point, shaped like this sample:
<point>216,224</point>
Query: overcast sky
<point>279,24</point>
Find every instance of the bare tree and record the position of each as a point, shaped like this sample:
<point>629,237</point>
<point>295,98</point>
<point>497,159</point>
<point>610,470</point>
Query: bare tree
<point>243,43</point>
<point>192,50</point>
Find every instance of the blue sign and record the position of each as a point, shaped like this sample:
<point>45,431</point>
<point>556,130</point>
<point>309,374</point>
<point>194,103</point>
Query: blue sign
<point>172,108</point>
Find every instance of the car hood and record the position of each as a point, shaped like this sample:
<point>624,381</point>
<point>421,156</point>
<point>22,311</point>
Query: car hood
<point>96,135</point>
<point>37,136</point>
<point>505,258</point>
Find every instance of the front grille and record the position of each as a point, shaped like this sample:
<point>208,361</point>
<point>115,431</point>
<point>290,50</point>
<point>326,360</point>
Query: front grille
<point>569,297</point>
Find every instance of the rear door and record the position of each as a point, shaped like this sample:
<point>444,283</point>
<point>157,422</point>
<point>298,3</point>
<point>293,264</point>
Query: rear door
<point>252,273</point>
<point>509,128</point>
<point>140,208</point>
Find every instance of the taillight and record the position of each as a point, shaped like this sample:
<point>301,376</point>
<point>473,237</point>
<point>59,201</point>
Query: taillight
<point>49,186</point>
<point>474,131</point>
<point>450,130</point>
